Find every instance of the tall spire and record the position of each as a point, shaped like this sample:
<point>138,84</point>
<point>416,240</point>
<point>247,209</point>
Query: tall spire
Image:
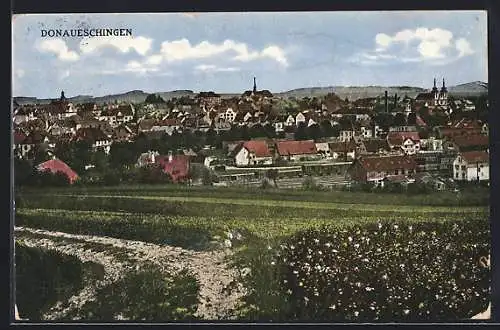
<point>63,98</point>
<point>443,84</point>
<point>434,82</point>
<point>254,85</point>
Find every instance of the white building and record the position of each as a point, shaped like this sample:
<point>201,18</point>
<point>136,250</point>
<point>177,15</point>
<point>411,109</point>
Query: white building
<point>300,118</point>
<point>471,166</point>
<point>253,153</point>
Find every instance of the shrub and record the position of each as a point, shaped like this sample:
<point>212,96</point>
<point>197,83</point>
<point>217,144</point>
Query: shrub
<point>386,272</point>
<point>44,277</point>
<point>146,295</point>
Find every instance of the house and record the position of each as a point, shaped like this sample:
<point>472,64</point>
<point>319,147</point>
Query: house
<point>254,152</point>
<point>56,165</point>
<point>347,135</point>
<point>297,150</point>
<point>229,115</point>
<point>21,149</point>
<point>374,146</point>
<point>119,115</point>
<point>300,118</point>
<point>342,151</point>
<point>451,132</point>
<point>377,168</point>
<point>290,121</point>
<point>147,158</point>
<point>408,142</point>
<point>122,133</point>
<point>96,138</point>
<point>471,142</point>
<point>176,166</point>
<point>208,99</point>
<point>323,148</point>
<point>471,166</point>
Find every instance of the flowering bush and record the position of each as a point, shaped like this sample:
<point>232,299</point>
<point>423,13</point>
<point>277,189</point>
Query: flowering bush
<point>424,271</point>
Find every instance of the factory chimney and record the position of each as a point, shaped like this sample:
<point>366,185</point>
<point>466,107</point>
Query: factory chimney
<point>386,104</point>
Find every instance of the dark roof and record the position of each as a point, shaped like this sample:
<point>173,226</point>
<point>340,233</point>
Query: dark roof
<point>90,134</point>
<point>346,146</point>
<point>387,163</point>
<point>397,138</point>
<point>477,140</point>
<point>476,156</point>
<point>374,145</point>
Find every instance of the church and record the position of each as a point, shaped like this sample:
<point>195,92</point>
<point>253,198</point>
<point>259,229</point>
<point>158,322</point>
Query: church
<point>256,93</point>
<point>436,98</point>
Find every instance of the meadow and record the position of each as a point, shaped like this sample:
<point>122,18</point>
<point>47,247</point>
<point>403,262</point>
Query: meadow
<point>255,224</point>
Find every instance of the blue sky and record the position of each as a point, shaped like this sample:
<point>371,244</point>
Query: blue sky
<point>224,51</point>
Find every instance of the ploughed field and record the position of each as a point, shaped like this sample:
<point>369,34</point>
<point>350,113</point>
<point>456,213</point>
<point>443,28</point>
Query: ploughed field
<point>189,253</point>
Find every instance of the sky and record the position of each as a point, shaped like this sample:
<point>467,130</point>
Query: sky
<point>222,52</point>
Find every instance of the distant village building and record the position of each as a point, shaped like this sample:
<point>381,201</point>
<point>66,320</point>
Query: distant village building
<point>254,152</point>
<point>297,150</point>
<point>377,168</point>
<point>471,166</point>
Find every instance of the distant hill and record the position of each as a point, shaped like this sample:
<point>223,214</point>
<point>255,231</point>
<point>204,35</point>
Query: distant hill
<point>475,88</point>
<point>353,93</point>
<point>470,89</point>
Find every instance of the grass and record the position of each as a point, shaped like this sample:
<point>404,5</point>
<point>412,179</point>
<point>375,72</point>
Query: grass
<point>472,197</point>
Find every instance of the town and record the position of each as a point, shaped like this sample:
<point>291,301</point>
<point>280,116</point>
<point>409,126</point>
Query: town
<point>433,141</point>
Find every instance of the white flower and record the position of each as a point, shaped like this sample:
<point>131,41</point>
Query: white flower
<point>356,313</point>
<point>349,239</point>
<point>406,311</point>
<point>229,235</point>
<point>327,244</point>
<point>319,252</point>
<point>238,236</point>
<point>410,228</point>
<point>273,263</point>
<point>316,240</point>
<point>227,243</point>
<point>295,272</point>
<point>333,307</point>
<point>379,225</point>
<point>369,289</point>
<point>269,247</point>
<point>365,260</point>
<point>396,226</point>
<point>379,250</point>
<point>292,247</point>
<point>384,277</point>
<point>245,271</point>
<point>335,251</point>
<point>356,245</point>
<point>301,284</point>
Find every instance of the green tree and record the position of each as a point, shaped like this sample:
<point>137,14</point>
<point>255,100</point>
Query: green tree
<point>301,132</point>
<point>154,99</point>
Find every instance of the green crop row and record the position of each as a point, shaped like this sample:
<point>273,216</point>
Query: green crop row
<point>471,197</point>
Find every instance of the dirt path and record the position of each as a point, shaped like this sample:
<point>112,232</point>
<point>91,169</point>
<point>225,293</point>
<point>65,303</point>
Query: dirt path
<point>209,267</point>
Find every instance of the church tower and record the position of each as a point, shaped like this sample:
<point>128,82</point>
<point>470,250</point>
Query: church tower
<point>62,98</point>
<point>435,93</point>
<point>443,95</point>
<point>254,86</point>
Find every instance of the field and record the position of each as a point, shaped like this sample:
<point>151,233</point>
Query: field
<point>225,240</point>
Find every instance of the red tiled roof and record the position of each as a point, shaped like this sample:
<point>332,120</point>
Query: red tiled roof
<point>475,156</point>
<point>387,163</point>
<point>397,138</point>
<point>454,131</point>
<point>259,148</point>
<point>296,147</point>
<point>471,140</point>
<point>177,168</point>
<point>56,165</point>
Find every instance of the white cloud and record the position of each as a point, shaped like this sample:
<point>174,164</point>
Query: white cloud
<point>58,47</point>
<point>214,68</point>
<point>182,49</point>
<point>422,44</point>
<point>124,44</point>
<point>463,47</point>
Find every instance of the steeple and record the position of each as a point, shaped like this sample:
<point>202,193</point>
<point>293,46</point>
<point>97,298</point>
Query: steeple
<point>62,98</point>
<point>254,85</point>
<point>434,89</point>
<point>443,89</point>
